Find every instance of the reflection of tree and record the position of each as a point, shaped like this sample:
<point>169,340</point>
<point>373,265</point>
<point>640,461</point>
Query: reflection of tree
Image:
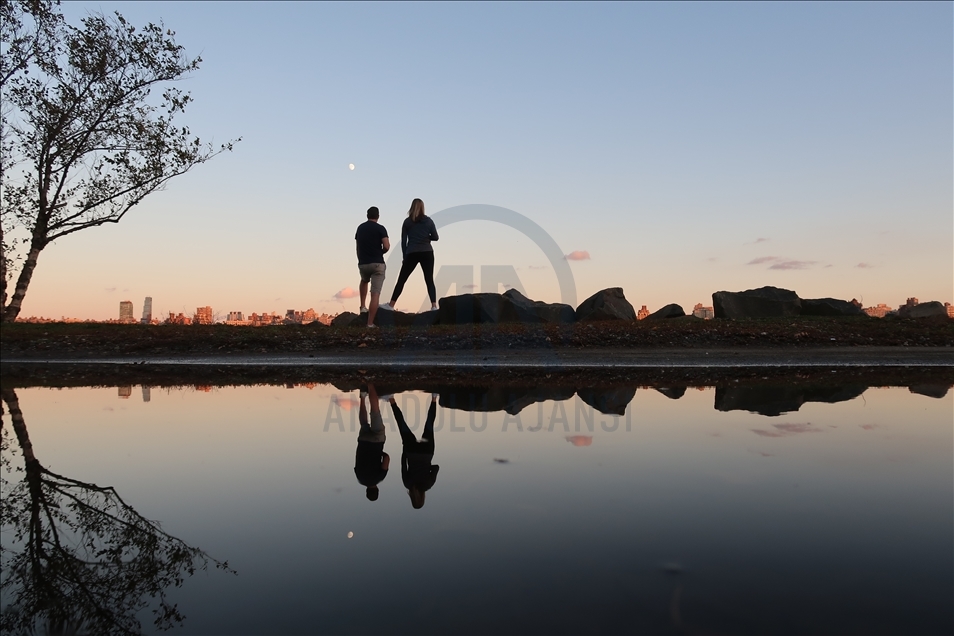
<point>76,558</point>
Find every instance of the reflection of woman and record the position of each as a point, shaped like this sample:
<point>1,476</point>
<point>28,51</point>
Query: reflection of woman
<point>370,461</point>
<point>416,235</point>
<point>416,470</point>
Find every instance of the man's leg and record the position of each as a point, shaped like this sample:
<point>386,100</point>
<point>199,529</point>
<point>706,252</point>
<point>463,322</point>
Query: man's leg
<point>377,283</point>
<point>373,308</point>
<point>363,290</point>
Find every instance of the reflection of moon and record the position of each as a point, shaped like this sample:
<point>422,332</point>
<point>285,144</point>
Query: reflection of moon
<point>350,166</point>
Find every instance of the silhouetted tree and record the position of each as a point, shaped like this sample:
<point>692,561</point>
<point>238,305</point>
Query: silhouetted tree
<point>75,557</point>
<point>82,139</point>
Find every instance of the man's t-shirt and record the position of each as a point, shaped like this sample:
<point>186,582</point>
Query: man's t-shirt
<point>369,237</point>
<point>367,463</point>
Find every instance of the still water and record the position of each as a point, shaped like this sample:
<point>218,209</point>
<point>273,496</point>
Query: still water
<point>633,510</point>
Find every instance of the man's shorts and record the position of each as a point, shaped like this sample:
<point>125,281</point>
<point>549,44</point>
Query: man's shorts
<point>373,272</point>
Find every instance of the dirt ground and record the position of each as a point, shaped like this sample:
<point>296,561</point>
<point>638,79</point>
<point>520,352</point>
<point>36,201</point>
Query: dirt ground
<point>83,341</point>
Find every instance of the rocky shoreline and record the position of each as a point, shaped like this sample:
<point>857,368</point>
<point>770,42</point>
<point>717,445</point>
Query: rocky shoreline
<point>88,340</point>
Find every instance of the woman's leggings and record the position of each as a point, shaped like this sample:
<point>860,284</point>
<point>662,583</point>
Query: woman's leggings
<point>426,259</point>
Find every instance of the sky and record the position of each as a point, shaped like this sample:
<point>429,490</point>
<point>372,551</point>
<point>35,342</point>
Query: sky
<point>673,150</point>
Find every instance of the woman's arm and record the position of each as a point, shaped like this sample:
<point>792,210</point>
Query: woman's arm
<point>434,236</point>
<point>404,238</point>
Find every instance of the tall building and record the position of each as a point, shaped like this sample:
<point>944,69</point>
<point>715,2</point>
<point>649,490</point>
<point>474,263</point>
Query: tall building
<point>203,316</point>
<point>146,393</point>
<point>642,313</point>
<point>706,313</point>
<point>147,311</point>
<point>236,316</point>
<point>126,311</point>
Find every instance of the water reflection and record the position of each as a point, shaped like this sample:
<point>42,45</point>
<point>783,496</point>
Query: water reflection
<point>584,506</point>
<point>371,463</point>
<point>76,558</point>
<point>417,472</point>
<point>776,400</point>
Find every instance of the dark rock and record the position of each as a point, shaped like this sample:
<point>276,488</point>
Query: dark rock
<point>673,393</point>
<point>540,311</point>
<point>607,304</point>
<point>930,390</point>
<point>669,311</point>
<point>830,307</point>
<point>347,319</point>
<point>764,302</point>
<point>476,309</point>
<point>394,318</point>
<point>775,400</point>
<point>930,309</point>
<point>609,401</point>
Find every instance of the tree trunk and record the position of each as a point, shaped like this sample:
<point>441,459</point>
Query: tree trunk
<point>11,311</point>
<point>3,273</point>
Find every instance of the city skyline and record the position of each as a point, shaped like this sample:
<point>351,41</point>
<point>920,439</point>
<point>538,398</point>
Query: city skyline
<point>206,314</point>
<point>671,150</point>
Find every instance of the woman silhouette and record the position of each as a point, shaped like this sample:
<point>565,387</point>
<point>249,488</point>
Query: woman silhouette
<point>417,472</point>
<point>416,235</point>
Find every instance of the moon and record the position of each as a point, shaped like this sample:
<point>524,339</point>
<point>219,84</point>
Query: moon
<point>350,166</point>
<point>350,534</point>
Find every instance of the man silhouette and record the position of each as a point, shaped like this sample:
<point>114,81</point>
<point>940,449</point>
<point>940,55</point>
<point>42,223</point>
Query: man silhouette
<point>372,242</point>
<point>370,461</point>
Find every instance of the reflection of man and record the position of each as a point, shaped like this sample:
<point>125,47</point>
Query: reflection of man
<point>370,461</point>
<point>416,470</point>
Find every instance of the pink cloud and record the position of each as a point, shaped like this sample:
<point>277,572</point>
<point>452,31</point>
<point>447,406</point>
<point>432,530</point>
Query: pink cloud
<point>760,239</point>
<point>578,255</point>
<point>793,265</point>
<point>347,402</point>
<point>787,429</point>
<point>580,440</point>
<point>781,263</point>
<point>864,266</point>
<point>347,292</point>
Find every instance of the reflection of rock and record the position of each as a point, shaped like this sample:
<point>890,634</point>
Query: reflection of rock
<point>765,302</point>
<point>673,393</point>
<point>931,309</point>
<point>345,319</point>
<point>669,311</point>
<point>540,311</point>
<point>511,399</point>
<point>394,318</point>
<point>609,401</point>
<point>607,304</point>
<point>775,400</point>
<point>830,307</point>
<point>930,390</point>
